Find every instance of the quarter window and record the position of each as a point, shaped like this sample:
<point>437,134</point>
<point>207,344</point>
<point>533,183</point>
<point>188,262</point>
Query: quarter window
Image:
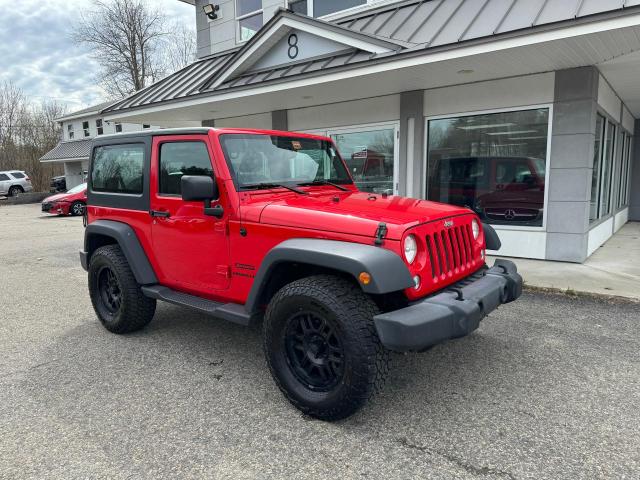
<point>17,175</point>
<point>182,158</point>
<point>249,17</point>
<point>118,169</point>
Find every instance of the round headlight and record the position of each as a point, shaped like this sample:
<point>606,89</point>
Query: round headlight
<point>410,248</point>
<point>475,228</point>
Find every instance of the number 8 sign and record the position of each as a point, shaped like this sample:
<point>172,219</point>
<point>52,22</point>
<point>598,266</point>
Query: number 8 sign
<point>293,46</point>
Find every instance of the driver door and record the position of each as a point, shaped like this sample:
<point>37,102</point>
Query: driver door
<point>191,249</point>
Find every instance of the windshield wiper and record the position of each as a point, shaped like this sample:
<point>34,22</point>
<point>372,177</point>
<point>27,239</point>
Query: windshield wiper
<point>259,186</point>
<point>323,182</point>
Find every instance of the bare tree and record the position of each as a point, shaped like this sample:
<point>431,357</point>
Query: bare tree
<point>179,47</point>
<point>124,38</point>
<point>27,132</point>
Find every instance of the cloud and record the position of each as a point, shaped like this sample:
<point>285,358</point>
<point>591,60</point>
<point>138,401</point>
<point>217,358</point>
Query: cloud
<point>38,55</point>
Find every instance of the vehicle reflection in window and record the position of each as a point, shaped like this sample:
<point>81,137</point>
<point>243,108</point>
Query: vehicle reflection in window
<point>494,164</point>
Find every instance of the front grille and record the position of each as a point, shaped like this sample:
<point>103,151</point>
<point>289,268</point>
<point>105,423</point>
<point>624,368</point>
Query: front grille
<point>450,250</point>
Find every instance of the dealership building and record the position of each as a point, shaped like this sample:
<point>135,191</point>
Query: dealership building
<point>523,110</point>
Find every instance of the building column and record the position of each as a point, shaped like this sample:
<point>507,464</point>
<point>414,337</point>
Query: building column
<point>571,163</point>
<point>280,120</point>
<point>634,185</point>
<point>410,174</point>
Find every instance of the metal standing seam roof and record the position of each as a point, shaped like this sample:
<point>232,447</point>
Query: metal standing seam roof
<point>68,150</point>
<point>412,25</point>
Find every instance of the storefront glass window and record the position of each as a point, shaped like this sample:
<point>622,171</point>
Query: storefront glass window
<point>494,164</point>
<point>369,155</point>
<point>597,165</point>
<point>607,170</point>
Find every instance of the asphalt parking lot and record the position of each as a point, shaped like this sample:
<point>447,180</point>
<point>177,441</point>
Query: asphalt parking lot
<point>548,388</point>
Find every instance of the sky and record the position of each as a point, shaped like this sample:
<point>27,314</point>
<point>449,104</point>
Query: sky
<point>38,55</point>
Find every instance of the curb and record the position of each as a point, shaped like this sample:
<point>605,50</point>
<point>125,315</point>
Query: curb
<point>579,294</point>
<point>24,198</point>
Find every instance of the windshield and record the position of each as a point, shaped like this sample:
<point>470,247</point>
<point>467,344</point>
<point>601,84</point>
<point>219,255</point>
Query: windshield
<point>78,189</point>
<point>256,159</point>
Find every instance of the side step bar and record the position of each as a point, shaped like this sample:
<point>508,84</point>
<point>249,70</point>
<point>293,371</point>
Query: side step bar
<point>231,312</point>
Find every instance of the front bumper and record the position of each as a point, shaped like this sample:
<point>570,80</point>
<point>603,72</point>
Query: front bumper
<point>452,313</point>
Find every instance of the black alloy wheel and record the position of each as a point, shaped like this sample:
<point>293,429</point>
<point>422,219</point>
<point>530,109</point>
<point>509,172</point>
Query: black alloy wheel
<point>314,351</point>
<point>322,347</point>
<point>109,289</point>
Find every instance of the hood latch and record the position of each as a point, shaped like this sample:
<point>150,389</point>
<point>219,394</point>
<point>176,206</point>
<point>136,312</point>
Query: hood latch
<point>381,231</point>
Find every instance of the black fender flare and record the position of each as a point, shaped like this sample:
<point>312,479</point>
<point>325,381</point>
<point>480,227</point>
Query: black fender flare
<point>388,271</point>
<point>129,243</point>
<point>491,238</point>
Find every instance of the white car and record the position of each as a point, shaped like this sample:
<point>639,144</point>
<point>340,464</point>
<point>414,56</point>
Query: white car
<point>13,182</point>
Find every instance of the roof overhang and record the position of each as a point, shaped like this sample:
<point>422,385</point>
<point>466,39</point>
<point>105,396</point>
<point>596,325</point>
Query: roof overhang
<point>62,160</point>
<point>589,41</point>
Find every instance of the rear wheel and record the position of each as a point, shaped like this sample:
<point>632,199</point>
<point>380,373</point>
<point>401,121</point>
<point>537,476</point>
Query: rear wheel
<point>116,296</point>
<point>322,347</point>
<point>77,208</point>
<point>15,190</point>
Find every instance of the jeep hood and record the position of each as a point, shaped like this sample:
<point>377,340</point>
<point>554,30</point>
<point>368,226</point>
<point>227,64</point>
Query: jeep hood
<point>357,213</point>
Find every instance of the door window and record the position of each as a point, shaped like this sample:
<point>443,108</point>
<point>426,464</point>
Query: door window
<point>370,157</point>
<point>182,158</point>
<point>3,177</point>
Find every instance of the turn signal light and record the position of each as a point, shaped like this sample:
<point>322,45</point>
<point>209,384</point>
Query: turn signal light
<point>364,278</point>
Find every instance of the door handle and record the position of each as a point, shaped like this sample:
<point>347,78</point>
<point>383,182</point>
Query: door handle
<point>158,213</point>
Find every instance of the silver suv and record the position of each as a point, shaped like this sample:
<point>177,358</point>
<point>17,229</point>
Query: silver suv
<point>13,182</point>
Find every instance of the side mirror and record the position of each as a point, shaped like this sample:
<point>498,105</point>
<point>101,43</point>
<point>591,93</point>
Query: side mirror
<point>200,188</point>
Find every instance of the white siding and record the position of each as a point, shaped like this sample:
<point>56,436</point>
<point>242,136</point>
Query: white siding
<point>108,128</point>
<point>345,114</point>
<point>620,219</point>
<point>260,120</point>
<point>608,100</point>
<point>521,244</point>
<point>598,235</point>
<point>489,95</point>
<point>628,122</point>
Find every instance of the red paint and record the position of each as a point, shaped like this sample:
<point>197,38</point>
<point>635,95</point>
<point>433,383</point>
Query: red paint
<point>211,258</point>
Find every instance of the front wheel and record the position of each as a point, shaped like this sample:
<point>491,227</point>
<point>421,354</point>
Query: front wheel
<point>76,209</point>
<point>322,347</point>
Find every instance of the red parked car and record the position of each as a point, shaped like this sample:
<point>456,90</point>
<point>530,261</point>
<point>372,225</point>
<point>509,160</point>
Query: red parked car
<point>251,225</point>
<point>70,203</point>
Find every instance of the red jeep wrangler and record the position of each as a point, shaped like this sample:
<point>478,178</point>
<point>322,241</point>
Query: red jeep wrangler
<point>250,225</point>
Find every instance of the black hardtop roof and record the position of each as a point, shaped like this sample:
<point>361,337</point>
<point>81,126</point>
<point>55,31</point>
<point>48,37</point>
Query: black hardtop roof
<point>154,132</point>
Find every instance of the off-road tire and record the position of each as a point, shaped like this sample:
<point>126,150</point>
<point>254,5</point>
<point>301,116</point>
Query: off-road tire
<point>74,205</point>
<point>366,361</point>
<point>135,309</point>
<point>15,190</point>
